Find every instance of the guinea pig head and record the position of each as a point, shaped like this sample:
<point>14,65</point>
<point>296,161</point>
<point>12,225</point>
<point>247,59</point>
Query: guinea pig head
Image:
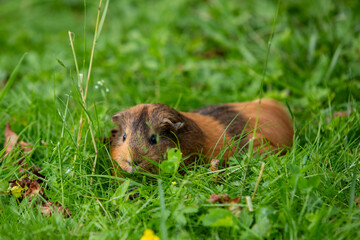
<point>145,133</point>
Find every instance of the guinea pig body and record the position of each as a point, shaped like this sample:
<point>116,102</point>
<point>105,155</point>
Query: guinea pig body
<point>146,131</point>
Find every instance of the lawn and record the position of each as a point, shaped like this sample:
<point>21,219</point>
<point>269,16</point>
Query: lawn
<point>186,54</point>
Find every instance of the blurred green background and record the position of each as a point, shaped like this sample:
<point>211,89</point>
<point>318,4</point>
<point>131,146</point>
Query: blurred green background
<point>190,52</point>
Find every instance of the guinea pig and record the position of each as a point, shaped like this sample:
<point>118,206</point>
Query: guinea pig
<point>146,131</point>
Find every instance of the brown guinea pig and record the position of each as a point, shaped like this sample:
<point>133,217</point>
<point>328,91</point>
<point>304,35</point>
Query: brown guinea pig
<point>146,131</point>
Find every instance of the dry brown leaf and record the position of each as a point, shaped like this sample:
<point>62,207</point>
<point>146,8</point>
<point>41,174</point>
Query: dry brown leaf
<point>29,185</point>
<point>222,198</point>
<point>212,53</point>
<point>34,189</point>
<point>22,183</point>
<point>26,187</point>
<point>35,170</point>
<point>49,208</point>
<point>25,147</point>
<point>46,208</point>
<point>225,199</point>
<point>214,165</point>
<point>340,114</point>
<point>357,201</point>
<point>11,139</point>
<point>23,167</point>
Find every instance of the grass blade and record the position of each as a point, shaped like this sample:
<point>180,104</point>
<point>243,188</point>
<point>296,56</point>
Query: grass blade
<point>11,80</point>
<point>163,229</point>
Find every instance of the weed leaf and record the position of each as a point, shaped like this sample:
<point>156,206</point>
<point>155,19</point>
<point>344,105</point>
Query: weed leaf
<point>218,217</point>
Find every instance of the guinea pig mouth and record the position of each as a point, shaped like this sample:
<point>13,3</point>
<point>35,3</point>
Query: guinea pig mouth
<point>139,167</point>
<point>131,169</point>
<point>127,166</point>
<point>132,166</point>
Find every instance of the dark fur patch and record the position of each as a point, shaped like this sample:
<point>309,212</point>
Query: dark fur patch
<point>190,136</point>
<point>225,115</point>
<point>141,119</point>
<point>140,129</point>
<point>114,135</point>
<point>162,111</point>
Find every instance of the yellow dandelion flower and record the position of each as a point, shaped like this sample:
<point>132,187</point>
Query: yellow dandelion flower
<point>174,183</point>
<point>149,235</point>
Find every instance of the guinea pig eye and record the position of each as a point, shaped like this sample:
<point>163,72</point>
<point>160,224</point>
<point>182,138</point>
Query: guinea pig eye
<point>124,137</point>
<point>153,139</point>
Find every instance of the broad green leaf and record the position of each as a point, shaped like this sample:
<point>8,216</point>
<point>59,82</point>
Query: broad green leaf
<point>181,210</point>
<point>246,218</point>
<point>120,192</point>
<point>314,181</point>
<point>4,185</point>
<point>218,217</point>
<point>191,209</point>
<point>172,163</point>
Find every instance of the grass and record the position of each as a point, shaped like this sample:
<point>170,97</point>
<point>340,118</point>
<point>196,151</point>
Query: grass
<point>186,54</point>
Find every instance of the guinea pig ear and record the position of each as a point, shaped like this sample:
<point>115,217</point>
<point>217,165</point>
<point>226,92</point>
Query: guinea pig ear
<point>174,126</point>
<point>117,118</point>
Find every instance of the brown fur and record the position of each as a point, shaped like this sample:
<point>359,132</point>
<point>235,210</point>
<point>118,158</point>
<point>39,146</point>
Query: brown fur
<point>274,124</point>
<point>209,130</point>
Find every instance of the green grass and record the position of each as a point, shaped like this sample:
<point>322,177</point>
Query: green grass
<point>186,54</point>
